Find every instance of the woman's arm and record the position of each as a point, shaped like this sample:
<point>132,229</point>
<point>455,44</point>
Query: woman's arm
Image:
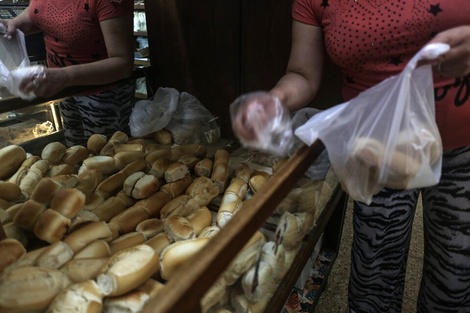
<point>21,22</point>
<point>118,36</point>
<point>300,84</point>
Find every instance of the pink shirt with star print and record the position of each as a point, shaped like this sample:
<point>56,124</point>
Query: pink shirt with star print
<point>72,33</point>
<point>373,40</point>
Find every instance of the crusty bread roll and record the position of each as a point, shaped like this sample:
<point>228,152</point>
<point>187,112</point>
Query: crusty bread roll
<point>215,295</point>
<point>128,269</point>
<point>220,171</point>
<point>75,154</point>
<point>256,182</point>
<point>163,137</point>
<point>161,152</point>
<point>203,168</point>
<point>53,152</point>
<point>102,163</point>
<point>203,190</point>
<point>289,232</point>
<point>258,282</point>
<point>83,218</point>
<point>87,181</point>
<point>12,251</point>
<point>230,204</point>
<point>159,167</point>
<point>82,297</point>
<point>94,250</point>
<point>88,233</point>
<point>129,147</point>
<point>402,168</point>
<point>11,158</point>
<point>209,231</point>
<point>61,169</point>
<point>83,269</point>
<point>28,259</point>
<point>179,253</point>
<point>30,289</point>
<point>181,205</point>
<point>55,255</point>
<point>130,182</point>
<point>96,142</point>
<point>243,171</point>
<point>124,158</point>
<point>14,232</point>
<point>150,227</point>
<point>51,226</point>
<point>190,160</point>
<point>200,219</point>
<point>158,242</point>
<point>198,150</point>
<point>179,228</point>
<point>145,186</point>
<point>115,182</point>
<point>45,190</point>
<point>28,214</point>
<point>127,220</point>
<point>68,201</point>
<point>23,169</point>
<point>126,241</point>
<point>112,206</point>
<point>369,152</point>
<point>176,171</point>
<point>178,187</point>
<point>9,191</point>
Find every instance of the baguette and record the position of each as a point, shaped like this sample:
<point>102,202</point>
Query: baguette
<point>128,269</point>
<point>30,289</point>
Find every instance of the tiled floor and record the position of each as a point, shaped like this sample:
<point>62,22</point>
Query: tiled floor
<point>334,298</point>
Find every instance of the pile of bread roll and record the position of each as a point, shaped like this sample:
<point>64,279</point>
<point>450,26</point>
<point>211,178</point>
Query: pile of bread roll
<point>102,228</point>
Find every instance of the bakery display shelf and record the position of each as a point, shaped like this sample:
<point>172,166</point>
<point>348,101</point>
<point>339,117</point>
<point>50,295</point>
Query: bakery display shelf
<point>335,207</point>
<point>180,293</point>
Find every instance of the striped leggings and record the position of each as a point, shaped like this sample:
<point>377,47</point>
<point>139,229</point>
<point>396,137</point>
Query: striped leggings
<point>382,233</point>
<point>102,113</point>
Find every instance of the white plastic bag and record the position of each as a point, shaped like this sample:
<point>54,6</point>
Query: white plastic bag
<point>15,66</point>
<point>386,136</point>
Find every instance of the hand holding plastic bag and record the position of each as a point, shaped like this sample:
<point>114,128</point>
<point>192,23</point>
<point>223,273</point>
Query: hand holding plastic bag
<point>262,122</point>
<point>386,136</point>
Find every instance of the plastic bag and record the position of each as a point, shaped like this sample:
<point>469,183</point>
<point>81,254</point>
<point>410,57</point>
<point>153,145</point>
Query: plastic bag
<point>386,136</point>
<point>15,66</point>
<point>149,116</point>
<point>269,121</point>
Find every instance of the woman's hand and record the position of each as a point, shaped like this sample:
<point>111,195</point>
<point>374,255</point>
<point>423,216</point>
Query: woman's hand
<point>45,84</point>
<point>8,28</point>
<point>456,61</point>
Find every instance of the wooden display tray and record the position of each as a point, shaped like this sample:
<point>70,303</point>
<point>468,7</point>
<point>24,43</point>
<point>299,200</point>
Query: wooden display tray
<point>184,291</point>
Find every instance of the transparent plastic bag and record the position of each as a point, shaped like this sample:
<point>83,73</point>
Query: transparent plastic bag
<point>260,121</point>
<point>15,66</point>
<point>386,136</point>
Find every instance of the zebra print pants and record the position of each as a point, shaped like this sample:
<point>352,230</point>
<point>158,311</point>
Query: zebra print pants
<point>102,113</point>
<point>382,233</point>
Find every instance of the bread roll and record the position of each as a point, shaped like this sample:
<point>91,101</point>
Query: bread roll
<point>195,149</point>
<point>176,171</point>
<point>88,233</point>
<point>182,205</point>
<point>9,191</point>
<point>243,171</point>
<point>126,241</point>
<point>45,190</point>
<point>369,152</point>
<point>127,220</point>
<point>83,269</point>
<point>174,256</point>
<point>158,242</point>
<point>128,269</point>
<point>209,231</point>
<point>102,163</point>
<point>110,208</point>
<point>12,251</point>
<point>145,187</point>
<point>11,158</point>
<point>178,187</point>
<point>200,219</point>
<point>161,152</point>
<point>82,297</point>
<point>230,204</point>
<point>124,158</point>
<point>163,137</point>
<point>51,226</point>
<point>96,142</point>
<point>68,202</point>
<point>94,250</point>
<point>30,289</point>
<point>159,167</point>
<point>214,295</point>
<point>190,160</point>
<point>53,152</point>
<point>75,154</point>
<point>258,282</point>
<point>257,182</point>
<point>83,218</point>
<point>28,214</point>
<point>289,232</point>
<point>203,190</point>
<point>220,172</point>
<point>203,168</point>
<point>178,228</point>
<point>14,232</point>
<point>150,227</point>
<point>54,256</point>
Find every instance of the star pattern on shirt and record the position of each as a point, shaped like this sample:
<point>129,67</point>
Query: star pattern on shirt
<point>324,4</point>
<point>86,7</point>
<point>56,39</point>
<point>435,9</point>
<point>36,11</point>
<point>350,79</point>
<point>396,60</point>
<point>96,56</point>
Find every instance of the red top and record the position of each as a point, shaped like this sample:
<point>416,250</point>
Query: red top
<point>371,40</point>
<point>72,33</point>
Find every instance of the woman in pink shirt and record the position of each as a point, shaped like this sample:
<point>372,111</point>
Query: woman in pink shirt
<point>371,41</point>
<point>88,42</point>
